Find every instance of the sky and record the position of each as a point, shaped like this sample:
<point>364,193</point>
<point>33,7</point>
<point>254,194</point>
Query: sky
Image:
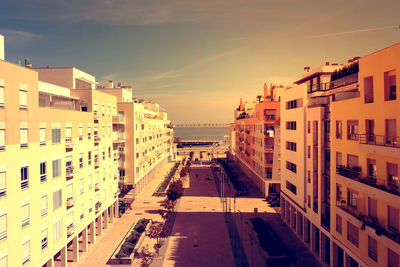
<point>196,58</point>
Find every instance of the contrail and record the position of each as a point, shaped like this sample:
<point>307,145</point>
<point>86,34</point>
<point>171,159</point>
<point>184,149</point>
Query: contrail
<point>355,31</point>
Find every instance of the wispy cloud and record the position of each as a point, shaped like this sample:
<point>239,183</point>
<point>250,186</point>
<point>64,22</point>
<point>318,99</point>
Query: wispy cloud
<point>352,31</point>
<point>17,36</point>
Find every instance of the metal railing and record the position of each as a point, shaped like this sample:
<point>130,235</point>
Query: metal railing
<point>3,234</point>
<point>118,119</point>
<point>269,117</point>
<point>25,222</point>
<point>3,192</point>
<point>24,184</point>
<point>349,172</point>
<point>344,81</point>
<point>380,140</point>
<point>44,244</point>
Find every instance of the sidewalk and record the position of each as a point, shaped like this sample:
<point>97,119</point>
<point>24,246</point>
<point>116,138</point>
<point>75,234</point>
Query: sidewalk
<point>144,206</point>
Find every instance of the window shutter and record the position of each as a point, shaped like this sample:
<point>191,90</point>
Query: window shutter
<point>24,136</point>
<point>43,202</point>
<point>42,135</point>
<point>68,132</point>
<point>23,98</point>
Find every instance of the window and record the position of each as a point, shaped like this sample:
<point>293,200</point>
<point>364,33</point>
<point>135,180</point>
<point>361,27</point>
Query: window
<point>109,111</point>
<point>42,136</point>
<point>291,146</point>
<point>23,134</point>
<point>90,181</point>
<point>104,154</point>
<point>24,177</point>
<point>390,85</point>
<point>393,258</point>
<point>372,208</point>
<point>26,252</point>
<point>102,110</point>
<point>81,160</point>
<point>137,155</point>
<point>339,129</point>
<point>3,190</point>
<point>3,226</point>
<point>90,158</point>
<point>137,140</point>
<point>56,136</point>
<point>56,168</point>
<point>291,125</point>
<point>352,197</point>
<point>57,199</point>
<point>338,224</point>
<point>25,215</point>
<point>103,131</point>
<point>308,151</point>
<point>2,139</point>
<point>352,233</point>
<point>89,132</point>
<point>308,126</point>
<point>368,90</point>
<point>44,239</point>
<point>43,206</point>
<point>308,176</point>
<point>57,230</point>
<point>393,218</point>
<point>109,131</point>
<point>352,130</point>
<point>309,201</point>
<point>80,133</point>
<point>297,103</point>
<point>291,166</point>
<point>82,211</point>
<point>82,185</point>
<point>291,187</point>
<point>23,98</point>
<point>372,249</point>
<point>43,172</point>
<point>68,134</point>
<point>109,152</point>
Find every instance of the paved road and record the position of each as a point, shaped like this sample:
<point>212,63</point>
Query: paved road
<point>199,236</point>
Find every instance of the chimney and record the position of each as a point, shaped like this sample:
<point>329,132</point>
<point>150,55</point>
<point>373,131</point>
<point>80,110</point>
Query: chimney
<point>327,63</point>
<point>110,84</point>
<point>307,69</point>
<point>356,58</point>
<point>271,92</point>
<point>334,64</point>
<point>265,91</point>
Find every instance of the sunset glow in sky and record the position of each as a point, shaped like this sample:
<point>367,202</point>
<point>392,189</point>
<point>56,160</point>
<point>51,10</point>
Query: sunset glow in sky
<point>196,58</point>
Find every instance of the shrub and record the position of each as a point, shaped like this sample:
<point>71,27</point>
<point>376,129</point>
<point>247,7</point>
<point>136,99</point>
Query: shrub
<point>121,254</point>
<point>127,248</point>
<point>132,239</point>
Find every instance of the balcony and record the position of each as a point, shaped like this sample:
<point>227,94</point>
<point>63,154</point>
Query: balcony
<point>344,81</point>
<point>380,144</point>
<point>96,187</point>
<point>96,117</point>
<point>389,186</point>
<point>69,173</point>
<point>26,260</point>
<point>70,202</point>
<point>352,210</point>
<point>269,146</point>
<point>96,140</point>
<point>96,164</point>
<point>121,150</point>
<point>43,178</point>
<point>119,119</point>
<point>44,243</point>
<point>349,172</point>
<point>118,137</point>
<point>71,229</point>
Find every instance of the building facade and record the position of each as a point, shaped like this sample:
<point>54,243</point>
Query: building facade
<point>60,162</point>
<point>339,169</point>
<point>257,133</point>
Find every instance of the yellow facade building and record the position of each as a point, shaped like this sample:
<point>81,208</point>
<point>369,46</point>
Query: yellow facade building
<point>62,157</point>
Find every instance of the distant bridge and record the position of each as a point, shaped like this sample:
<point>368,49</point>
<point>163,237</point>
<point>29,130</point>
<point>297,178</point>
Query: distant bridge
<point>181,125</point>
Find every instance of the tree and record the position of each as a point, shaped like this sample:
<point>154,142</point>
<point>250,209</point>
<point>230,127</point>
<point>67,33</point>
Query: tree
<point>259,98</point>
<point>175,190</point>
<point>157,231</point>
<point>146,256</point>
<point>168,205</point>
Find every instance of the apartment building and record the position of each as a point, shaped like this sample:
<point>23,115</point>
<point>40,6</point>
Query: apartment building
<point>366,156</point>
<point>329,178</point>
<point>257,127</point>
<point>62,137</point>
<point>143,138</point>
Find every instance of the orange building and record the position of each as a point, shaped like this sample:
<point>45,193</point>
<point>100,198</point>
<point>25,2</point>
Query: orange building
<point>257,146</point>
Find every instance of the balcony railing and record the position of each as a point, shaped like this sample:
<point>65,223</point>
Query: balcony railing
<point>349,209</point>
<point>24,184</point>
<point>69,172</point>
<point>268,146</point>
<point>44,244</point>
<point>380,140</point>
<point>43,178</point>
<point>25,222</point>
<point>3,192</point>
<point>118,119</point>
<point>344,81</point>
<point>270,117</point>
<point>70,202</point>
<point>98,206</point>
<point>26,260</point>
<point>3,234</point>
<point>43,212</point>
<point>349,172</point>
